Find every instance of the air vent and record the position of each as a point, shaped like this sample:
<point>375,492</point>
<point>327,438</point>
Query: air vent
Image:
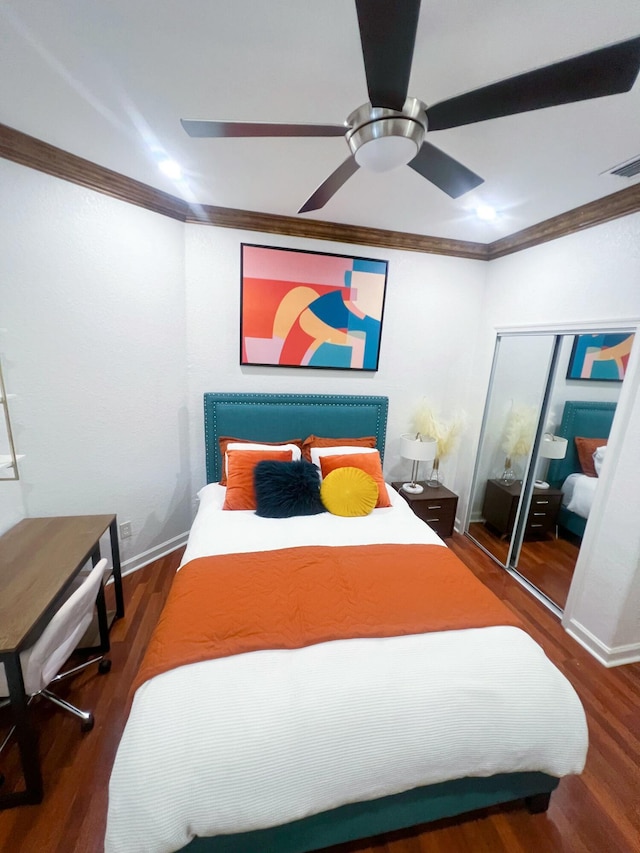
<point>627,170</point>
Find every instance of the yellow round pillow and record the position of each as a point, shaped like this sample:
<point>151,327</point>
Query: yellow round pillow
<point>349,492</point>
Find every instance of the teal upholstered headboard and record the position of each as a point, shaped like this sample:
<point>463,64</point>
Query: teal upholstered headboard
<point>579,418</point>
<point>277,417</point>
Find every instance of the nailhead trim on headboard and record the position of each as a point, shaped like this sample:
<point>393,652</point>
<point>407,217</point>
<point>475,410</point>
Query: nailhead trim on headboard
<point>374,418</point>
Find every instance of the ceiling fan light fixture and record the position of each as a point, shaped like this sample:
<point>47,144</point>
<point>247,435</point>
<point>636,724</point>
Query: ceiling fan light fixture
<point>383,153</point>
<point>381,139</point>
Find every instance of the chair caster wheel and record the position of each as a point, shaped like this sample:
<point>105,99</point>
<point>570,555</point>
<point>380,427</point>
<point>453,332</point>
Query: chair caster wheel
<point>87,725</point>
<point>104,666</point>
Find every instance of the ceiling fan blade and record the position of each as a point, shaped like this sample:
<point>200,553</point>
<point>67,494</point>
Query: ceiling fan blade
<point>222,129</point>
<point>446,173</point>
<point>607,71</point>
<point>331,186</point>
<point>388,33</point>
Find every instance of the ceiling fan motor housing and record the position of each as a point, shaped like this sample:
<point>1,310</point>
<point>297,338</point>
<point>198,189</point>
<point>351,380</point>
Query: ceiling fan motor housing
<point>382,139</point>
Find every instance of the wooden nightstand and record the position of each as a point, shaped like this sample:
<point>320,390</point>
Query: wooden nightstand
<point>501,502</point>
<point>436,506</point>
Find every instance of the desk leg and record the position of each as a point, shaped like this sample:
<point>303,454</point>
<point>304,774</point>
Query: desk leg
<point>25,735</point>
<point>117,570</point>
<point>101,607</point>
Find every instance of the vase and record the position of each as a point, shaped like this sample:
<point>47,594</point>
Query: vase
<point>435,478</point>
<point>508,475</point>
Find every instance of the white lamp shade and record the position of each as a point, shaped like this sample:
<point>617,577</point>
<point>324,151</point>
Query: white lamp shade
<point>419,450</point>
<point>553,447</point>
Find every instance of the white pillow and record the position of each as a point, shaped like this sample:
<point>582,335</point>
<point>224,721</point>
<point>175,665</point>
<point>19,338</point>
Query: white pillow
<point>342,450</point>
<point>598,458</point>
<point>243,445</point>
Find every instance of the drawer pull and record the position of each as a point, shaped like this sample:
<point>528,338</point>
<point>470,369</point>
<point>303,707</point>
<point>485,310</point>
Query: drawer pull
<point>536,525</point>
<point>539,513</point>
<point>433,519</point>
<point>541,503</point>
<point>435,506</point>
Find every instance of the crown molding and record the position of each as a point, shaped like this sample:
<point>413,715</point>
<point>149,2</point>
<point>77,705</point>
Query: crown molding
<point>614,206</point>
<point>36,154</point>
<point>314,229</point>
<point>32,152</point>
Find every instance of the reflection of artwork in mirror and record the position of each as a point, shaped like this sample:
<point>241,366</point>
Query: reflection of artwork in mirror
<point>601,357</point>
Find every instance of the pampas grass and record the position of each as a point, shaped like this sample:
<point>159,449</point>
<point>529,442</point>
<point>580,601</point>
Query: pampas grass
<point>519,430</point>
<point>446,433</point>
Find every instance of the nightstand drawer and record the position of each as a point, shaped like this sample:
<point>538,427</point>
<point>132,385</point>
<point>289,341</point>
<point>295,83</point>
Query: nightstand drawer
<point>501,502</point>
<point>542,515</point>
<point>436,507</point>
<point>435,512</point>
<point>545,503</point>
<point>442,526</point>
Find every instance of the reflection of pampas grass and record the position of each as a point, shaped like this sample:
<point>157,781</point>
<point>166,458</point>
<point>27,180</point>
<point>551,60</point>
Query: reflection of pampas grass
<point>446,433</point>
<point>519,431</point>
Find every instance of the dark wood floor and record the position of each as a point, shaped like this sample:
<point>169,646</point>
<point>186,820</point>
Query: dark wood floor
<point>546,563</point>
<point>597,812</point>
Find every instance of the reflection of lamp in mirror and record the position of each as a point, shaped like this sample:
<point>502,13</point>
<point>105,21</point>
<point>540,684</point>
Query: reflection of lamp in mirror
<point>552,447</point>
<point>419,450</point>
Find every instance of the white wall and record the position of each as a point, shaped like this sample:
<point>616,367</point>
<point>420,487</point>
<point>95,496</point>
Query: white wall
<point>593,276</point>
<point>12,508</point>
<point>427,347</point>
<point>92,300</point>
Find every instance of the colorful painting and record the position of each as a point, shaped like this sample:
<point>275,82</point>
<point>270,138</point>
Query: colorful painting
<point>600,357</point>
<point>306,309</point>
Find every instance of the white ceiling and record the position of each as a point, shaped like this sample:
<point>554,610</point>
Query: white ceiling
<point>110,80</point>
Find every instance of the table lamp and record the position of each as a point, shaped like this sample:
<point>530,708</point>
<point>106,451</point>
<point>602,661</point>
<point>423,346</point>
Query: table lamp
<point>551,447</point>
<point>418,450</point>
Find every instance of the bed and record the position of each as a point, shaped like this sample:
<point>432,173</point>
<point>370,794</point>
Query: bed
<point>296,749</point>
<point>580,419</point>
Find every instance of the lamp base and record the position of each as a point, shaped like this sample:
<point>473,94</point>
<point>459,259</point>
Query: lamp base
<point>412,488</point>
<point>541,484</point>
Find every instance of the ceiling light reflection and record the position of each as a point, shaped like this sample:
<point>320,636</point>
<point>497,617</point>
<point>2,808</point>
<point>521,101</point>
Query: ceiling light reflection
<point>486,213</point>
<point>171,169</point>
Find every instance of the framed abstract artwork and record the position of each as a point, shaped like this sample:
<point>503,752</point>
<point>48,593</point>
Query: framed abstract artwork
<point>310,309</point>
<point>601,357</point>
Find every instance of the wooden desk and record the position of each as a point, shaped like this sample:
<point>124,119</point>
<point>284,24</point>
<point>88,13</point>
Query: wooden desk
<point>39,558</point>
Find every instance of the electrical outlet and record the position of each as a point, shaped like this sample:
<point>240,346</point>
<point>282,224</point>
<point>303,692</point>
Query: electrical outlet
<point>126,530</point>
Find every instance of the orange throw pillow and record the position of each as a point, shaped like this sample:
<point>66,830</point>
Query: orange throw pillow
<point>318,441</point>
<point>367,462</point>
<point>225,439</point>
<point>586,447</point>
<point>240,492</point>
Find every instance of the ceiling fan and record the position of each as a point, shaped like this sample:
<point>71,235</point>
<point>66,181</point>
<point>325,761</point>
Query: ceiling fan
<point>389,130</point>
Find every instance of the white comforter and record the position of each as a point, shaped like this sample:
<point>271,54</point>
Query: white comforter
<point>268,737</point>
<point>578,493</point>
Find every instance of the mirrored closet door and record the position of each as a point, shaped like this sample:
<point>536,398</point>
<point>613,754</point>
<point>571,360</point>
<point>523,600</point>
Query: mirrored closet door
<point>549,409</point>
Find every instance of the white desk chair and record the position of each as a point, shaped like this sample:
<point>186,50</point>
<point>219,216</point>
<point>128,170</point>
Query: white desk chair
<point>42,662</point>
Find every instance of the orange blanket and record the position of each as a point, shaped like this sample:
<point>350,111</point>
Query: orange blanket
<point>287,599</point>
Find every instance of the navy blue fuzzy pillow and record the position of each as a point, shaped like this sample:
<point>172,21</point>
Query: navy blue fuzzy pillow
<point>285,489</point>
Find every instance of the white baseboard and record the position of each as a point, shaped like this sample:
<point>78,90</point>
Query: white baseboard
<point>146,557</point>
<point>609,657</point>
